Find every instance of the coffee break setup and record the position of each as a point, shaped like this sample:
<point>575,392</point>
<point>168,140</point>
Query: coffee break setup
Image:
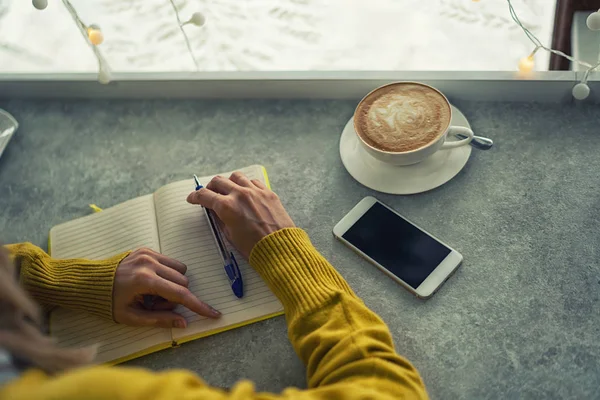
<point>484,264</point>
<point>404,138</point>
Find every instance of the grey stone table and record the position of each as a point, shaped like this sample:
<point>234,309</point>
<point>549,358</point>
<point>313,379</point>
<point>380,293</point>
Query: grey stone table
<point>521,317</point>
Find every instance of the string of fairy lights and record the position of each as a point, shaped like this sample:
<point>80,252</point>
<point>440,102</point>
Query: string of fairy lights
<point>94,37</point>
<point>581,90</point>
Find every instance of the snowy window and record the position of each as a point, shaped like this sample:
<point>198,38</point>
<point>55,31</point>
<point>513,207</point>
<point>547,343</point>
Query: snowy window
<point>274,35</point>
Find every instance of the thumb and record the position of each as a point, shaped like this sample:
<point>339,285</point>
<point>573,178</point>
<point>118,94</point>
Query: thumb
<point>204,197</point>
<point>162,319</point>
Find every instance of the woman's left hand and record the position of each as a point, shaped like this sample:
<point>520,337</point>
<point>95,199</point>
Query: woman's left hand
<point>145,272</point>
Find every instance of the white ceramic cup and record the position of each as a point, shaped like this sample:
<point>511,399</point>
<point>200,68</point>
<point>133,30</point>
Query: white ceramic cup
<point>417,155</point>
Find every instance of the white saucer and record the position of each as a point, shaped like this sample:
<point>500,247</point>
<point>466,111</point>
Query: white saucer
<point>430,173</point>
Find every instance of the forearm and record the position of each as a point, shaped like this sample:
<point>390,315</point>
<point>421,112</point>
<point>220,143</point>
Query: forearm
<point>74,283</point>
<point>333,332</point>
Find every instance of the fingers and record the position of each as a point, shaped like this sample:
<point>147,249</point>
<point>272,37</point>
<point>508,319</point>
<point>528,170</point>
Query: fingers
<point>204,197</point>
<point>162,319</point>
<point>181,295</point>
<point>162,259</point>
<point>164,305</point>
<point>178,266</point>
<point>241,179</point>
<point>151,302</point>
<point>258,184</point>
<point>171,275</point>
<point>221,185</point>
<point>163,266</point>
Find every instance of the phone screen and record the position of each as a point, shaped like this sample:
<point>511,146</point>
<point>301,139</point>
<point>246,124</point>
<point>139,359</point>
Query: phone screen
<point>396,244</point>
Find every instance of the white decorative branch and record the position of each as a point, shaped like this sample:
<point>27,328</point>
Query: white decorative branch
<point>185,36</point>
<point>104,71</point>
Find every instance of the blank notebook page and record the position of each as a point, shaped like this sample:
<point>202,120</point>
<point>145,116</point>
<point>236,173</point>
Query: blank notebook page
<point>186,236</point>
<point>129,225</point>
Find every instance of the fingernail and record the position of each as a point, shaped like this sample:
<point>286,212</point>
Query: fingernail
<point>214,312</point>
<point>179,323</point>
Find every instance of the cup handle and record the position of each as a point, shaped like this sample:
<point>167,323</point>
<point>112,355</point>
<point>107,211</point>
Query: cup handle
<point>458,130</point>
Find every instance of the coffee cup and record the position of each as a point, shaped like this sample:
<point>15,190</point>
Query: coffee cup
<point>403,123</point>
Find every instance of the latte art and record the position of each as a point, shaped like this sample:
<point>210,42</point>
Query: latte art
<point>402,117</point>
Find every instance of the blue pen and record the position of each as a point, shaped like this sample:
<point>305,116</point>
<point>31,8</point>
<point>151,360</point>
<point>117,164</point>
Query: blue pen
<point>231,266</point>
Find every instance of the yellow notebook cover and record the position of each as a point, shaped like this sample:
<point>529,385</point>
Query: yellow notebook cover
<point>94,325</point>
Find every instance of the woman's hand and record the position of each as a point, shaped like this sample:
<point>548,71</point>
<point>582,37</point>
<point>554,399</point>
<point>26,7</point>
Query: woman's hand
<point>148,273</point>
<point>248,210</point>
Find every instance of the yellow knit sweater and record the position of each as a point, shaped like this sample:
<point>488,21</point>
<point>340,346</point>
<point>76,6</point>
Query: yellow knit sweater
<point>347,349</point>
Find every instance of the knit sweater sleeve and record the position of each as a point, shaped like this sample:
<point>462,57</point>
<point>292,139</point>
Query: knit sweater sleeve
<point>73,283</point>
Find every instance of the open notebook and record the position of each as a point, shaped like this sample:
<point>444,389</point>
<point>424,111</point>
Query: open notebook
<point>166,223</point>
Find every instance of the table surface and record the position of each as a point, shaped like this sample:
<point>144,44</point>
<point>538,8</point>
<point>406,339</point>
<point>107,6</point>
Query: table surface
<point>520,318</point>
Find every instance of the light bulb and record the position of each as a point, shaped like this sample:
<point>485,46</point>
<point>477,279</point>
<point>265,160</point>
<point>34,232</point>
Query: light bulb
<point>526,65</point>
<point>581,91</point>
<point>40,4</point>
<point>593,21</point>
<point>197,19</point>
<point>95,35</point>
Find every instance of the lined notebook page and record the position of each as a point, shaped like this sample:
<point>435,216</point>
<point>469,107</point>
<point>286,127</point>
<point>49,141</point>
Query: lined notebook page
<point>186,236</point>
<point>127,226</point>
<point>101,235</point>
<point>78,329</point>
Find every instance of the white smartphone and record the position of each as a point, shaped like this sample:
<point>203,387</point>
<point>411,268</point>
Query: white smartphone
<point>410,256</point>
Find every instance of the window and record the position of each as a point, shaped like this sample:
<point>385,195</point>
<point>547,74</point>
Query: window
<point>275,35</point>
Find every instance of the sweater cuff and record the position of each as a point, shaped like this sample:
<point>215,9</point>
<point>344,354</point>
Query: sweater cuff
<point>295,271</point>
<point>75,283</point>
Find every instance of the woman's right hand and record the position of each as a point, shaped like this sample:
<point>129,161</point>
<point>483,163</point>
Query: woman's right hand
<point>248,210</point>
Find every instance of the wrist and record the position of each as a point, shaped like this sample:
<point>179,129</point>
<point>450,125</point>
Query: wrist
<point>298,275</point>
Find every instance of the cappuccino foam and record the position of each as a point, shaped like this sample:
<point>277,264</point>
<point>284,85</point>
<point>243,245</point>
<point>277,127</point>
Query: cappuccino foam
<point>402,117</point>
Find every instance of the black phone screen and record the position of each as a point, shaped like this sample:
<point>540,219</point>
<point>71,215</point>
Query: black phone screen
<point>396,244</point>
